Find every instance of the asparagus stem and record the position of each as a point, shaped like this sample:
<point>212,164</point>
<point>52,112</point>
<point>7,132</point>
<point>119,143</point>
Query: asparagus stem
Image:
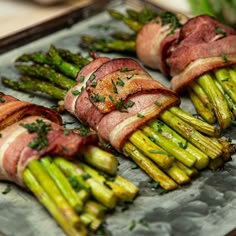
<point>202,159</point>
<point>62,183</point>
<point>37,57</point>
<point>48,73</point>
<point>100,159</point>
<point>95,209</point>
<point>121,187</point>
<point>48,185</point>
<point>66,68</point>
<point>131,23</point>
<point>198,124</point>
<point>228,99</point>
<point>28,84</point>
<point>180,154</point>
<point>232,73</point>
<point>192,135</point>
<point>191,172</point>
<point>223,77</point>
<point>99,191</point>
<point>217,99</point>
<point>91,221</point>
<point>178,174</point>
<point>75,58</point>
<point>107,45</point>
<point>201,109</point>
<point>201,94</point>
<point>43,197</point>
<point>149,167</point>
<point>162,158</point>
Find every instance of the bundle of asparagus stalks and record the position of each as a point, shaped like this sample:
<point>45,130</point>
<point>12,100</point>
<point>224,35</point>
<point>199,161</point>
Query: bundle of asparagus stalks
<point>213,93</point>
<point>171,149</point>
<point>79,194</point>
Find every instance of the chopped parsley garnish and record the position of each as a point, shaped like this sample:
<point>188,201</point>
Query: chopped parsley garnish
<point>75,92</point>
<point>111,98</point>
<point>224,57</point>
<point>140,115</point>
<point>132,225</point>
<point>94,84</point>
<point>183,145</point>
<point>92,77</point>
<point>82,130</point>
<point>97,98</point>
<point>158,152</point>
<point>81,79</point>
<point>225,79</point>
<point>114,86</point>
<point>2,100</point>
<point>170,18</point>
<point>66,132</point>
<point>125,69</point>
<point>41,128</point>
<point>219,30</point>
<point>129,104</point>
<point>120,82</point>
<point>7,189</point>
<point>158,103</point>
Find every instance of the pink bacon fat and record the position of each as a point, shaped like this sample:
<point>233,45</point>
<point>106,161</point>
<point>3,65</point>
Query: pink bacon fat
<point>201,37</point>
<point>154,42</point>
<point>118,82</point>
<point>13,110</point>
<point>15,151</point>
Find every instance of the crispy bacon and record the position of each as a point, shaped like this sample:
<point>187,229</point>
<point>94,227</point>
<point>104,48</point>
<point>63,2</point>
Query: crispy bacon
<point>15,148</point>
<point>126,98</point>
<point>181,55</point>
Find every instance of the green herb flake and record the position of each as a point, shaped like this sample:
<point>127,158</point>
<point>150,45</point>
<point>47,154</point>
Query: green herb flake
<point>82,78</point>
<point>219,30</point>
<point>92,77</point>
<point>132,225</point>
<point>66,132</point>
<point>86,176</point>
<point>140,115</point>
<point>75,92</point>
<point>94,84</point>
<point>144,223</point>
<point>41,128</point>
<point>129,104</point>
<point>158,152</point>
<point>125,69</point>
<point>114,86</point>
<point>158,103</point>
<point>7,189</point>
<point>2,100</point>
<point>224,57</point>
<point>97,98</point>
<point>225,79</point>
<point>183,145</point>
<point>111,98</point>
<point>120,82</point>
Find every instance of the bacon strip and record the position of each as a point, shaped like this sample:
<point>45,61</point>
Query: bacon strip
<point>181,55</point>
<point>15,151</point>
<point>117,116</point>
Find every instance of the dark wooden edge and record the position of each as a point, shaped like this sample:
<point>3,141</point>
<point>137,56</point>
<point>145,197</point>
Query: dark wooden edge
<point>50,26</point>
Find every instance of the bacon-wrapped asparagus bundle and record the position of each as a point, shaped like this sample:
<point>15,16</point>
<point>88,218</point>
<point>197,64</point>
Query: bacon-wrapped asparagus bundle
<point>198,54</point>
<point>29,133</point>
<point>121,102</point>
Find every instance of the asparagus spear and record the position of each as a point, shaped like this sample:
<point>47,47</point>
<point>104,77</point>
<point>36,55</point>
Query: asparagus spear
<point>167,162</point>
<point>207,104</point>
<point>42,195</point>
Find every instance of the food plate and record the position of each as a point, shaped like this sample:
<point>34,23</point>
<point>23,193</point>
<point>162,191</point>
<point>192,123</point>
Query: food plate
<point>206,207</point>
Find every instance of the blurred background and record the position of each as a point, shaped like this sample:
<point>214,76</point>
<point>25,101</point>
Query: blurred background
<point>18,15</point>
